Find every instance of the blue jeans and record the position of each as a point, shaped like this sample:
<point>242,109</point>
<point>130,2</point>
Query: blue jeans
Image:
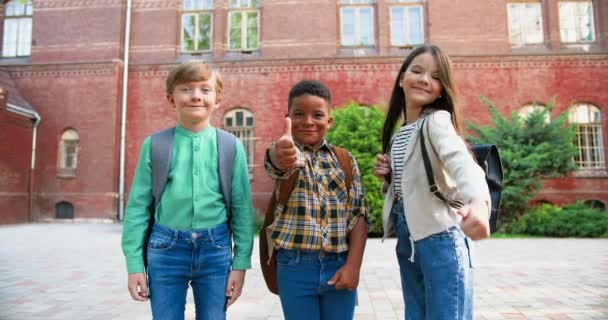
<point>200,258</point>
<point>437,280</point>
<point>302,278</point>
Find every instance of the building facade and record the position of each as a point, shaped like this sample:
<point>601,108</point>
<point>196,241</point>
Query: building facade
<point>66,59</point>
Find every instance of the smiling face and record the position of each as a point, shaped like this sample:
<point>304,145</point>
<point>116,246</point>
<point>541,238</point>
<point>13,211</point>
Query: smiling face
<point>421,81</point>
<point>194,102</point>
<point>310,119</point>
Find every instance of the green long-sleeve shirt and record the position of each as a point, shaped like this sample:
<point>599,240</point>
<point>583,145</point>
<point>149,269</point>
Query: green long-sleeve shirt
<point>192,198</point>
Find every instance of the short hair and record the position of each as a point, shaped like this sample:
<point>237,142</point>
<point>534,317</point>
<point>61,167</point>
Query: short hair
<point>194,71</point>
<point>311,87</point>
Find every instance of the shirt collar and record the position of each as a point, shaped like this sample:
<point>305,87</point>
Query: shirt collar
<point>201,134</point>
<point>305,147</point>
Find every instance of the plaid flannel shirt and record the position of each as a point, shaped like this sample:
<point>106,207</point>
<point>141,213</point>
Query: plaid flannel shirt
<point>320,211</point>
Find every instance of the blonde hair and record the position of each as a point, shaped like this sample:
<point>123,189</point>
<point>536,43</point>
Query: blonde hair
<point>195,71</point>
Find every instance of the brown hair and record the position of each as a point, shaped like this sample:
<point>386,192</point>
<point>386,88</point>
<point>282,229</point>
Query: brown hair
<point>447,101</point>
<point>194,71</point>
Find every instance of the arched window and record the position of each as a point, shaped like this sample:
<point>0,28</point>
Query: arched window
<point>64,210</point>
<point>595,204</point>
<point>17,36</point>
<point>240,122</point>
<point>526,110</point>
<point>68,153</point>
<point>589,138</point>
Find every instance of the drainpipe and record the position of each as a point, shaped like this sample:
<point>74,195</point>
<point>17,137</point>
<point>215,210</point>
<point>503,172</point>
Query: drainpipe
<point>123,114</point>
<point>35,117</point>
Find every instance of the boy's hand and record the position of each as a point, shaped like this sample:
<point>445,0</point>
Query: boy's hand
<point>235,286</point>
<point>346,277</point>
<point>283,153</point>
<point>382,166</point>
<point>475,220</point>
<point>138,286</point>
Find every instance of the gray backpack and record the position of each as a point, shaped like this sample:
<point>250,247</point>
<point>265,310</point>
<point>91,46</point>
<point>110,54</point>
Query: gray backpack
<point>161,152</point>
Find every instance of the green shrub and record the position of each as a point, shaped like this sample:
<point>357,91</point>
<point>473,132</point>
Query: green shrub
<point>358,129</point>
<point>577,220</point>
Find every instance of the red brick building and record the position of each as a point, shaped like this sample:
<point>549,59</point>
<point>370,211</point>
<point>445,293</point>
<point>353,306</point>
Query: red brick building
<point>63,60</point>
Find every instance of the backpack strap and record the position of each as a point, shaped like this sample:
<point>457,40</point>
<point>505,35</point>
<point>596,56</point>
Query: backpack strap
<point>161,151</point>
<point>226,152</point>
<point>346,165</point>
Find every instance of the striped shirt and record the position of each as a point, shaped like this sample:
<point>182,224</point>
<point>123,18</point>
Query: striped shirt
<point>320,212</point>
<point>402,140</point>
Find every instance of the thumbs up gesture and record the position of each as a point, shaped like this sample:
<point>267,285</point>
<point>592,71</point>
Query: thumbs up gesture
<point>283,153</point>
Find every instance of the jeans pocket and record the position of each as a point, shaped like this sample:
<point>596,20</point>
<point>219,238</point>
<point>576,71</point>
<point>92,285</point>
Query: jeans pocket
<point>287,257</point>
<point>221,240</point>
<point>160,243</point>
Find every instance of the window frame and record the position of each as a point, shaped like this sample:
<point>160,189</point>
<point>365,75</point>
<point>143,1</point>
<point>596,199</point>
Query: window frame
<point>577,31</point>
<point>18,18</point>
<point>358,6</point>
<point>252,6</point>
<point>525,111</point>
<point>525,34</point>
<point>249,141</point>
<point>67,162</point>
<point>406,5</point>
<point>584,132</point>
<point>196,13</point>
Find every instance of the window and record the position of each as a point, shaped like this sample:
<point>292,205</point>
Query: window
<point>589,140</point>
<point>244,22</point>
<point>357,22</point>
<point>526,110</point>
<point>525,23</point>
<point>576,21</point>
<point>406,24</point>
<point>17,39</point>
<point>240,122</point>
<point>197,21</point>
<point>68,153</point>
<point>596,204</point>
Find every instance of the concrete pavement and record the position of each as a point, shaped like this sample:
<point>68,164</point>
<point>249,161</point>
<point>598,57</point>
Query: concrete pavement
<point>76,271</point>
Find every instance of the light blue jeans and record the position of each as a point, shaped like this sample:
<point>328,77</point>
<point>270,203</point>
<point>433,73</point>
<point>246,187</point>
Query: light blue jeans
<point>437,280</point>
<point>302,278</point>
<point>199,258</point>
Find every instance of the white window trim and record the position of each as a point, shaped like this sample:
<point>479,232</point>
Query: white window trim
<point>407,35</point>
<point>19,33</point>
<point>244,19</point>
<point>542,22</point>
<point>577,30</point>
<point>357,24</point>
<point>196,15</point>
<point>600,164</point>
<point>248,143</point>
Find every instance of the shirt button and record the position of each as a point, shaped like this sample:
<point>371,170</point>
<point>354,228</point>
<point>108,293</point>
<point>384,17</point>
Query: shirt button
<point>194,235</point>
<point>195,148</point>
<point>195,172</point>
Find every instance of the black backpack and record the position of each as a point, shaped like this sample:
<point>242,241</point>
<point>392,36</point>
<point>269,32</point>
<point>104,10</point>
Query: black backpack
<point>488,159</point>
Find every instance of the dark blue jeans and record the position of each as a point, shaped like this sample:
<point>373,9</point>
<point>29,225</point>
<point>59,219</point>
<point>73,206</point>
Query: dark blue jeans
<point>199,258</point>
<point>437,279</point>
<point>302,278</point>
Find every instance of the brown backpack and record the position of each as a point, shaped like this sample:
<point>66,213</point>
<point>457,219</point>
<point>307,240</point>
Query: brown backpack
<point>269,264</point>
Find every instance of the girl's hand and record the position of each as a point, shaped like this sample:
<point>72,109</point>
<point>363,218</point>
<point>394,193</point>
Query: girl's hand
<point>382,166</point>
<point>475,219</point>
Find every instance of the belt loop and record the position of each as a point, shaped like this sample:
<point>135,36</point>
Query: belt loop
<point>298,256</point>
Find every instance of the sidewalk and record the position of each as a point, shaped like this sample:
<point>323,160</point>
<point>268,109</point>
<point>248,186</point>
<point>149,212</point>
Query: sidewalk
<point>76,271</point>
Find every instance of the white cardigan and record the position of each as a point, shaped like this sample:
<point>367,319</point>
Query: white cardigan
<point>456,173</point>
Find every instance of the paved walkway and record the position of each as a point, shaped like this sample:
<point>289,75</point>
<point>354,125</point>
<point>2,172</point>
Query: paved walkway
<point>76,271</point>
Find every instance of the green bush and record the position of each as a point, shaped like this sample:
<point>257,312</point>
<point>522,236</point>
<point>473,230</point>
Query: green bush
<point>577,220</point>
<point>358,129</point>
